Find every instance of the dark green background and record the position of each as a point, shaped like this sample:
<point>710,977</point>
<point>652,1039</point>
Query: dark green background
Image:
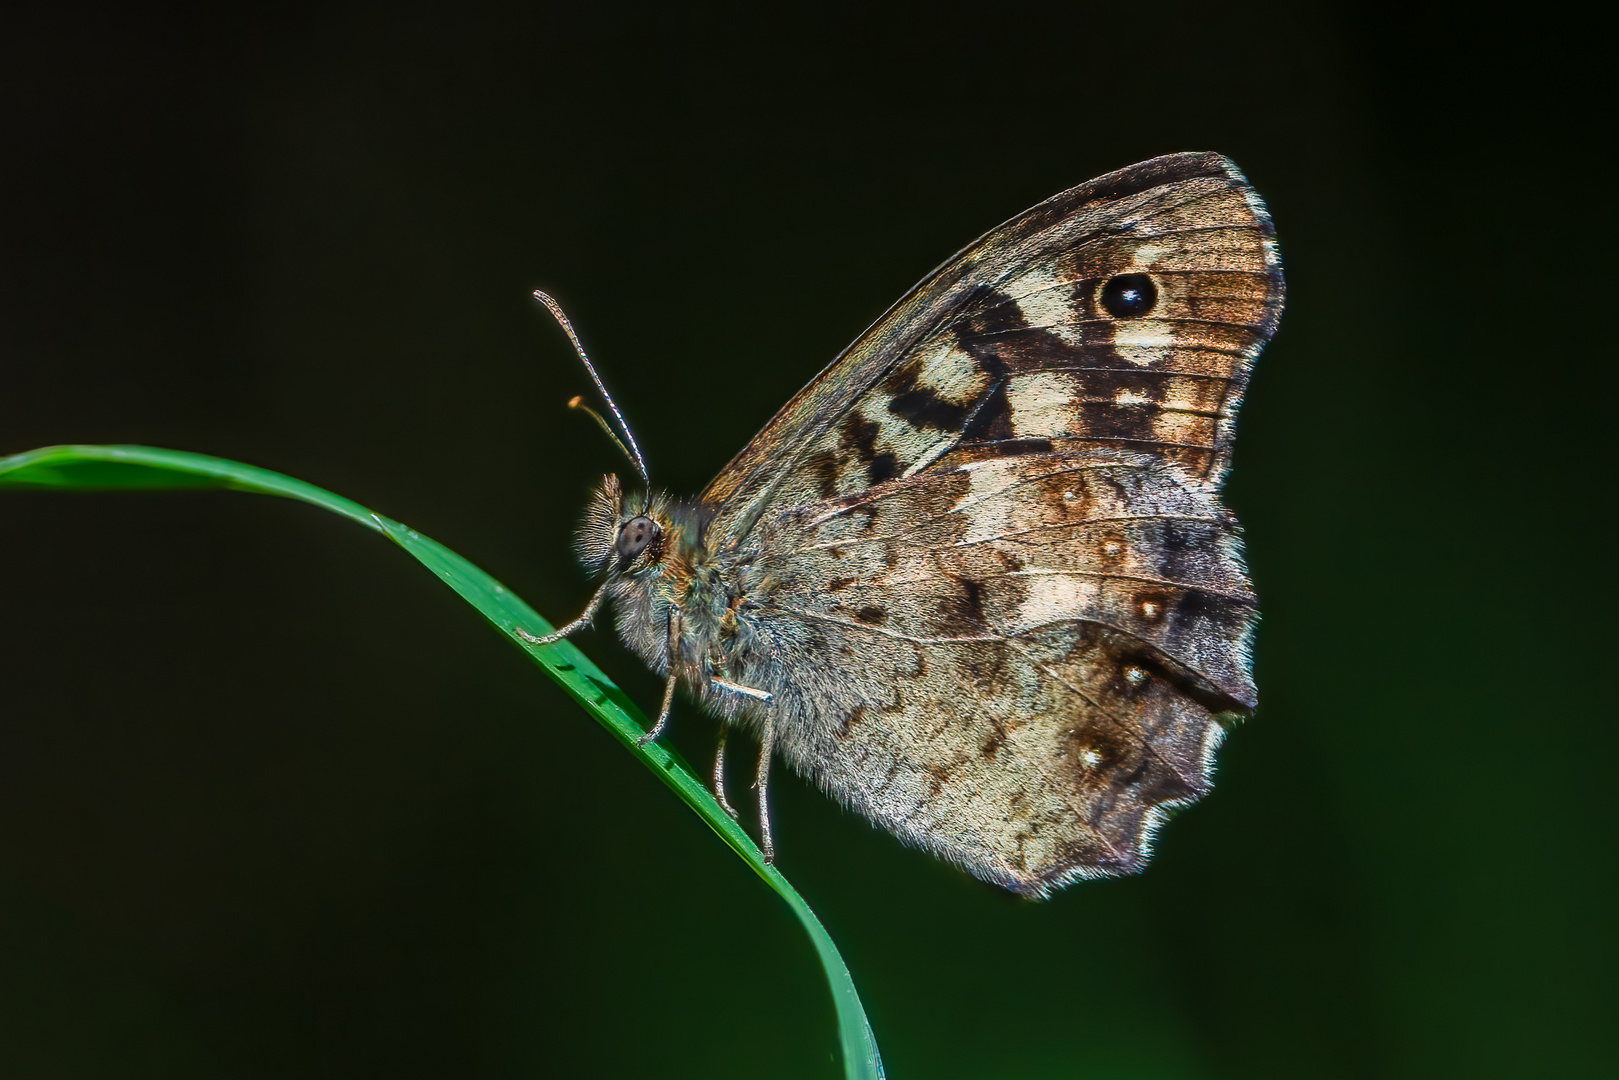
<point>274,802</point>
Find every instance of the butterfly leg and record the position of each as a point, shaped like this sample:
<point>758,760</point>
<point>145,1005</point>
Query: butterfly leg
<point>669,686</point>
<point>663,713</point>
<point>579,623</point>
<point>767,743</point>
<point>719,776</point>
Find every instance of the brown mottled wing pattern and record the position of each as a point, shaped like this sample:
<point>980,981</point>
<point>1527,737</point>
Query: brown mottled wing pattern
<point>1017,662</point>
<point>990,585</point>
<point>1006,348</point>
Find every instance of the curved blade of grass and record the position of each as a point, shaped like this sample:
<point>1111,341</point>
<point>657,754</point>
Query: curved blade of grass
<point>104,468</point>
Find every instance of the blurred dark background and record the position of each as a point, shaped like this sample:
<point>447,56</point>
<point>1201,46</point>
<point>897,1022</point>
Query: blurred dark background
<point>274,802</point>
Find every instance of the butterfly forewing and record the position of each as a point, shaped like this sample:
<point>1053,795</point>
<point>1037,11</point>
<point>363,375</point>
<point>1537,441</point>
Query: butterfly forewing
<point>1009,347</point>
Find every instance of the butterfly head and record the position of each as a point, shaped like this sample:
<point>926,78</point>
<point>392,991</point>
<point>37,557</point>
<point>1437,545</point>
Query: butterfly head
<point>622,534</point>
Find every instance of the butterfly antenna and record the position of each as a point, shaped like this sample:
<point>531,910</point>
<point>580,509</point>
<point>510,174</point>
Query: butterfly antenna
<point>601,422</point>
<point>627,446</point>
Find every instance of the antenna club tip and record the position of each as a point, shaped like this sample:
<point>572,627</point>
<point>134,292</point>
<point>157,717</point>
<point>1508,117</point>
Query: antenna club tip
<point>576,402</point>
<point>628,446</point>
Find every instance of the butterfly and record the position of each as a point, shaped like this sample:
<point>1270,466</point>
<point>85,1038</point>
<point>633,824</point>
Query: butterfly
<point>975,580</point>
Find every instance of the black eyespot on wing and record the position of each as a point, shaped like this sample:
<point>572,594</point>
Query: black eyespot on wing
<point>633,538</point>
<point>1129,296</point>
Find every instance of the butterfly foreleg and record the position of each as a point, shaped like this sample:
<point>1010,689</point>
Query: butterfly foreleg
<point>578,624</point>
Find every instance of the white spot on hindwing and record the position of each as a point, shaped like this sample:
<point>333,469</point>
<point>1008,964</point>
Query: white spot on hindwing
<point>1055,597</point>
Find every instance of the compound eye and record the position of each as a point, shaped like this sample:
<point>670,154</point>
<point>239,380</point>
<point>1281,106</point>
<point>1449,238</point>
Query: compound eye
<point>636,534</point>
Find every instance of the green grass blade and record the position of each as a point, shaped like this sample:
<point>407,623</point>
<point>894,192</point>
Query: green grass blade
<point>104,468</point>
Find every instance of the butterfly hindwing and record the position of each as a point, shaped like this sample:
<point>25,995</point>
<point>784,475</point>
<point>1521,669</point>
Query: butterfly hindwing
<point>1015,663</point>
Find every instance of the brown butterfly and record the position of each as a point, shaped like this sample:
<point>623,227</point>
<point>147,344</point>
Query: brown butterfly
<point>974,580</point>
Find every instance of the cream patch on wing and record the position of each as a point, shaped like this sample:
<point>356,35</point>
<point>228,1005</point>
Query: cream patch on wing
<point>1140,342</point>
<point>1146,257</point>
<point>1041,403</point>
<point>1052,598</point>
<point>1046,303</point>
<point>985,479</point>
<point>950,372</point>
<point>934,395</point>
